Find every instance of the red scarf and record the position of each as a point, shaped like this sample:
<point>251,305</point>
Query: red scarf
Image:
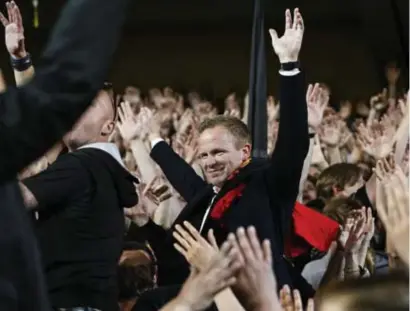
<point>310,228</point>
<point>225,202</point>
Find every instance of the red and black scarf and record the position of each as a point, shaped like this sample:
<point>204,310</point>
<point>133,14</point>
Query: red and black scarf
<point>309,227</point>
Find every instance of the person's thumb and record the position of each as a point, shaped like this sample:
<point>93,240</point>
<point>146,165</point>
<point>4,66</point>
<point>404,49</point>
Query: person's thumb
<point>273,36</point>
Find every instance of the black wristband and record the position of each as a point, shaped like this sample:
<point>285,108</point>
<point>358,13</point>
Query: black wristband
<point>289,66</point>
<point>312,135</point>
<point>21,64</point>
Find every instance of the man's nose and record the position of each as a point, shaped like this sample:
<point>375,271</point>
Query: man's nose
<point>210,161</point>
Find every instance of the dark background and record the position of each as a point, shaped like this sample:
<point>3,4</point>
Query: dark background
<point>205,44</point>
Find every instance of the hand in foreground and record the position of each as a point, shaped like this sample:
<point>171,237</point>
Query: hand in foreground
<point>256,283</point>
<point>14,31</point>
<point>293,302</point>
<point>196,250</point>
<point>200,288</point>
<point>288,46</point>
<point>392,204</point>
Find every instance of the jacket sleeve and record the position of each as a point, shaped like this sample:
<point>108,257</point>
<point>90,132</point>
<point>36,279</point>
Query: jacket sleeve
<point>179,173</point>
<point>292,144</point>
<point>70,72</point>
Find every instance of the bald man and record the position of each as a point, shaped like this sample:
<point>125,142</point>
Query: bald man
<point>79,200</point>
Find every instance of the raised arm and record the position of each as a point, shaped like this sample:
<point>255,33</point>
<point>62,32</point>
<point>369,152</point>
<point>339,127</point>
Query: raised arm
<point>179,173</point>
<point>71,70</point>
<point>316,103</point>
<point>15,43</point>
<point>293,139</point>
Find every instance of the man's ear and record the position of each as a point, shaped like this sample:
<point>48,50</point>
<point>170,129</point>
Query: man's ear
<point>108,128</point>
<point>246,152</point>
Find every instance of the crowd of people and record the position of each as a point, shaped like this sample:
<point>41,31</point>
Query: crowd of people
<point>153,201</point>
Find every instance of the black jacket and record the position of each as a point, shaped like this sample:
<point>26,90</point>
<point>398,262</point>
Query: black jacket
<point>32,118</point>
<point>267,201</point>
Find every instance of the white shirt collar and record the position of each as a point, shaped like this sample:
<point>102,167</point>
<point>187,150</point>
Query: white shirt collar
<point>109,148</point>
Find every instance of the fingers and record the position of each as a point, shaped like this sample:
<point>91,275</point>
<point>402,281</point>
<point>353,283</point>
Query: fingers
<point>182,242</point>
<point>181,250</point>
<point>288,20</point>
<point>211,239</point>
<point>194,233</point>
<point>186,236</point>
<point>297,300</point>
<point>254,242</point>
<point>3,20</point>
<point>295,20</point>
<point>273,36</point>
<point>267,252</point>
<point>18,18</point>
<point>234,242</point>
<point>300,25</point>
<point>309,92</point>
<point>10,12</point>
<point>285,297</point>
<point>310,305</point>
<point>244,245</point>
<point>121,114</point>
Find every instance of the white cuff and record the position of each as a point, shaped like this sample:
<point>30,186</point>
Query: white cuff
<point>289,73</point>
<point>155,141</point>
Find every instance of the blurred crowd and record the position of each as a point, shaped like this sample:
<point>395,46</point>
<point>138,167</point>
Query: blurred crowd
<point>355,174</point>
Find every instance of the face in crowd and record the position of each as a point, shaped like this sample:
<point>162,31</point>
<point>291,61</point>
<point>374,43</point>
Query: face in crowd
<point>223,145</point>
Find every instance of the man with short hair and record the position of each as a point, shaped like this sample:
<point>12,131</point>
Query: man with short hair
<point>80,200</point>
<point>240,191</point>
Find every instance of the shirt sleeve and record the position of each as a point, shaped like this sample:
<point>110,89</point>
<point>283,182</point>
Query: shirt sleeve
<point>61,182</point>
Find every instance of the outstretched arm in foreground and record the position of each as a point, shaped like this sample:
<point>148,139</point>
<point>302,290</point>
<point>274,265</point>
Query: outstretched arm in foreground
<point>70,72</point>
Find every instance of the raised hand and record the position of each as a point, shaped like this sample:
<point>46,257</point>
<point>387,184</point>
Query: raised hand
<point>392,204</point>
<point>376,140</point>
<point>14,31</point>
<point>317,102</point>
<point>127,123</point>
<point>293,301</point>
<point>288,46</point>
<point>368,234</point>
<point>356,234</point>
<point>197,251</point>
<point>256,283</point>
<point>200,289</point>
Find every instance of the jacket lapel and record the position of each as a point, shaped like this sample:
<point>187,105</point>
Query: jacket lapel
<point>199,204</point>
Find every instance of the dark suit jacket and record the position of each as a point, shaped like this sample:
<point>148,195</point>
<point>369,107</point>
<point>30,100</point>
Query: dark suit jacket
<point>32,118</point>
<point>267,201</point>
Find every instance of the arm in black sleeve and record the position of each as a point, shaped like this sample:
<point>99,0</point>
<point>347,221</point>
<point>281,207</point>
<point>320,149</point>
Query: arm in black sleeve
<point>70,72</point>
<point>292,144</point>
<point>179,173</point>
<point>293,137</point>
<point>61,182</point>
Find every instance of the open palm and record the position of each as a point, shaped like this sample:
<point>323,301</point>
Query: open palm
<point>14,31</point>
<point>288,46</point>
